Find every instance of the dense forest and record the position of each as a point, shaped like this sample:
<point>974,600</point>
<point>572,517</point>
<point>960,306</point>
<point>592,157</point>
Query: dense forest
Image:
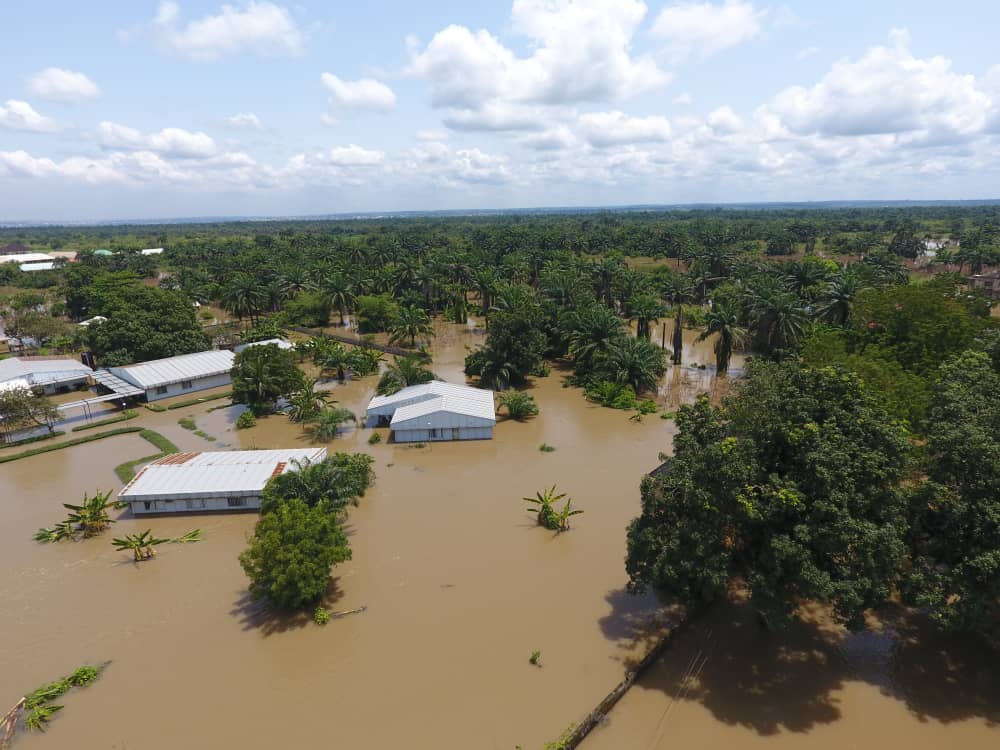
<point>858,457</point>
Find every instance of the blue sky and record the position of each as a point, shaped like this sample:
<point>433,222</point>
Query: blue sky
<point>117,110</point>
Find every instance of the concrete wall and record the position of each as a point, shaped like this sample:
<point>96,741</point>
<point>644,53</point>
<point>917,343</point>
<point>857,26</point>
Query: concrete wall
<point>198,505</point>
<point>200,384</point>
<point>425,436</point>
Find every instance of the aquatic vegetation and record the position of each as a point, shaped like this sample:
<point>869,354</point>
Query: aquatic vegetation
<point>88,519</point>
<point>374,439</point>
<point>546,448</point>
<point>187,423</point>
<point>534,658</point>
<point>519,405</point>
<point>36,709</point>
<point>544,507</point>
<point>141,545</point>
<point>246,420</point>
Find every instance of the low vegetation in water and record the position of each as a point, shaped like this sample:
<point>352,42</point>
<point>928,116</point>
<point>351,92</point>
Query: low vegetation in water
<point>69,443</point>
<point>321,616</point>
<point>543,506</point>
<point>88,519</point>
<point>36,709</point>
<point>546,448</point>
<point>535,658</point>
<point>187,423</point>
<point>519,405</point>
<point>374,439</point>
<point>126,471</point>
<point>246,420</point>
<point>142,545</point>
<point>123,417</point>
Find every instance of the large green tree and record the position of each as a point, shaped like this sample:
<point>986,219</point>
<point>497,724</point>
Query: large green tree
<point>792,487</point>
<point>955,539</point>
<point>262,375</point>
<point>292,552</point>
<point>337,480</point>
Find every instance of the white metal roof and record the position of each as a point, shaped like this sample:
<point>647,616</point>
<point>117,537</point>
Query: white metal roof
<point>280,343</point>
<point>152,251</point>
<point>41,370</point>
<point>176,369</point>
<point>25,258</point>
<point>182,476</point>
<point>387,405</point>
<point>46,266</point>
<point>446,411</point>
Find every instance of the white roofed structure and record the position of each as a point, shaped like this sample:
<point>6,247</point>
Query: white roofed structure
<point>162,378</point>
<point>26,258</point>
<point>435,411</point>
<point>205,481</point>
<point>152,251</point>
<point>280,343</point>
<point>44,372</point>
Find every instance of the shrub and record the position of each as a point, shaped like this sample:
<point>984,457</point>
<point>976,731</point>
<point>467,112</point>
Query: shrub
<point>546,448</point>
<point>612,395</point>
<point>374,439</point>
<point>246,420</point>
<point>187,423</point>
<point>321,616</point>
<point>519,405</point>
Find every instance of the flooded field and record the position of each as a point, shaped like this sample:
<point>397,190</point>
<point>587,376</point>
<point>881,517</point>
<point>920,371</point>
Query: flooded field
<point>460,587</point>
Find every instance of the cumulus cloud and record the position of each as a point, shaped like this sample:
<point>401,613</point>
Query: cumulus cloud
<point>553,139</point>
<point>611,128</point>
<point>61,85</point>
<point>260,28</point>
<point>887,90</point>
<point>175,142</point>
<point>354,156</point>
<point>580,51</point>
<point>683,100</point>
<point>18,115</point>
<point>93,171</point>
<point>704,29</point>
<point>245,120</point>
<point>363,94</point>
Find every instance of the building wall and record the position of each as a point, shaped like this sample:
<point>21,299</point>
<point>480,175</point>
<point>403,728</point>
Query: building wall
<point>199,384</point>
<point>457,433</point>
<point>197,505</point>
<point>66,385</point>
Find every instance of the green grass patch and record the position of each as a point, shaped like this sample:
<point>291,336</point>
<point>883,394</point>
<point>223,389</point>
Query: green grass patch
<point>155,407</point>
<point>205,435</point>
<point>187,423</point>
<point>668,415</point>
<point>71,443</point>
<point>200,400</point>
<point>126,471</point>
<point>546,448</point>
<point>123,417</point>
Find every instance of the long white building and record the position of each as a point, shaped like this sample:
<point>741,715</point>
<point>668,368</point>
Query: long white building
<point>211,481</point>
<point>173,376</point>
<point>435,411</point>
<point>51,374</point>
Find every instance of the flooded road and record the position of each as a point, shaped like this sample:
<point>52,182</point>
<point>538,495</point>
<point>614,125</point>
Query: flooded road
<point>460,587</point>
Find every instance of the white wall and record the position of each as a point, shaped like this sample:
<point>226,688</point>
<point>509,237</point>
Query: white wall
<point>200,384</point>
<point>424,436</point>
<point>199,505</point>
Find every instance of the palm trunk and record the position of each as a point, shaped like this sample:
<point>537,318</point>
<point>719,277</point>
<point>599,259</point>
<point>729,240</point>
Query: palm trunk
<point>678,336</point>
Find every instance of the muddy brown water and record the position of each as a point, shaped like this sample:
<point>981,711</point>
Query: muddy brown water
<point>460,587</point>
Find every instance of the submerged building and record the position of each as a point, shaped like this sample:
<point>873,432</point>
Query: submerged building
<point>211,481</point>
<point>50,374</point>
<point>173,376</point>
<point>435,411</point>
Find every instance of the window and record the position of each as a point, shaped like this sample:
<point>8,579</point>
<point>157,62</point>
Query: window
<point>236,502</point>
<point>187,385</point>
<point>433,433</point>
<point>148,504</point>
<point>161,389</point>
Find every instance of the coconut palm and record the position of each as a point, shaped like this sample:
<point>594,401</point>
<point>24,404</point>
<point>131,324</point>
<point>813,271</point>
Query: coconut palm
<point>328,421</point>
<point>779,318</point>
<point>410,323</point>
<point>338,292</point>
<point>635,362</point>
<point>244,296</point>
<point>307,402</point>
<point>519,405</point>
<point>723,319</point>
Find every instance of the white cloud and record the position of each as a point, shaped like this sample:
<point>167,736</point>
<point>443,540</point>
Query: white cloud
<point>175,142</point>
<point>683,100</point>
<point>705,29</point>
<point>365,93</point>
<point>354,156</point>
<point>432,134</point>
<point>59,84</point>
<point>245,120</point>
<point>554,139</point>
<point>887,90</point>
<point>724,120</point>
<point>18,115</point>
<point>93,171</point>
<point>580,51</point>
<point>612,128</point>
<point>260,28</point>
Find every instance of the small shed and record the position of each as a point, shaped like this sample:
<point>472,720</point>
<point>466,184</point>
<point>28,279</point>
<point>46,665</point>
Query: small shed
<point>435,411</point>
<point>185,373</point>
<point>211,481</point>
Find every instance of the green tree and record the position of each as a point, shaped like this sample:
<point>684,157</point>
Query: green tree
<point>327,422</point>
<point>792,487</point>
<point>376,313</point>
<point>955,536</point>
<point>678,291</point>
<point>403,372</point>
<point>292,552</point>
<point>262,375</point>
<point>307,402</point>
<point>22,408</point>
<point>410,323</point>
<point>519,405</point>
<point>723,320</point>
<point>88,519</point>
<point>337,480</point>
<point>543,506</point>
<point>645,309</point>
<point>631,361</point>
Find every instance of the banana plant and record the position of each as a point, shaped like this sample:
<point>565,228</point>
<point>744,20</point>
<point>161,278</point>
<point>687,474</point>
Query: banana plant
<point>88,519</point>
<point>141,545</point>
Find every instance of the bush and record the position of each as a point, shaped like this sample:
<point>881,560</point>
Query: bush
<point>546,448</point>
<point>519,405</point>
<point>187,423</point>
<point>612,395</point>
<point>246,420</point>
<point>123,417</point>
<point>321,616</point>
<point>374,439</point>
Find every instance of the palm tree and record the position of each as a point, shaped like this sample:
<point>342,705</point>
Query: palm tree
<point>331,357</point>
<point>485,282</point>
<point>338,293</point>
<point>838,299</point>
<point>328,421</point>
<point>363,360</point>
<point>677,291</point>
<point>779,318</point>
<point>645,309</point>
<point>410,323</point>
<point>244,297</point>
<point>520,405</point>
<point>724,319</point>
<point>635,362</point>
<point>307,402</point>
<point>87,519</point>
<point>590,331</point>
<point>405,371</point>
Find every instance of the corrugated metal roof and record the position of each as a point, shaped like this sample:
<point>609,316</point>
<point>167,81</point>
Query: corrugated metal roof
<point>448,411</point>
<point>424,392</point>
<point>41,370</point>
<point>280,343</point>
<point>46,266</point>
<point>25,258</point>
<point>215,473</point>
<point>175,369</point>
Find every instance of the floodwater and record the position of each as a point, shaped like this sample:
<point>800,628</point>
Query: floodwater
<point>460,588</point>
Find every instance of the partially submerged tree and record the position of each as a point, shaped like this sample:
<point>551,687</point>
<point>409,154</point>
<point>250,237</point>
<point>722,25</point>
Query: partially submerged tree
<point>88,519</point>
<point>405,371</point>
<point>337,480</point>
<point>142,545</point>
<point>519,405</point>
<point>264,374</point>
<point>324,425</point>
<point>292,552</point>
<point>543,506</point>
<point>21,408</point>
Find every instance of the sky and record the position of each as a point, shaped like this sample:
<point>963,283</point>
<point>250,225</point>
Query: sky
<point>141,109</point>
